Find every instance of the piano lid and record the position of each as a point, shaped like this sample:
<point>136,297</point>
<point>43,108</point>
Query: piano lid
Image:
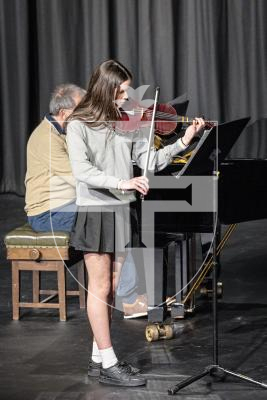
<point>252,144</point>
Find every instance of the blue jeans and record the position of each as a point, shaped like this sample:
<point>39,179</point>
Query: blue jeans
<point>128,283</point>
<point>58,219</point>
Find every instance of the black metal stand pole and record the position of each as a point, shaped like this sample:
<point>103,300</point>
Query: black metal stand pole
<point>215,367</point>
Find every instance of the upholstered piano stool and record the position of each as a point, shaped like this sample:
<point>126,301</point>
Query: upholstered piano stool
<point>42,251</point>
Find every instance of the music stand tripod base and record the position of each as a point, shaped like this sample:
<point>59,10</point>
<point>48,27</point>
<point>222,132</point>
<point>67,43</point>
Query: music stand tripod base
<point>213,370</point>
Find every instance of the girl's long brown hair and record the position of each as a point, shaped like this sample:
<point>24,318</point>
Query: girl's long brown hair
<point>98,103</point>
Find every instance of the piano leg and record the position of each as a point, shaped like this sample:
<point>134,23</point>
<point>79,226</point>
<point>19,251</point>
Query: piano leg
<point>156,283</point>
<point>178,256</point>
<point>185,267</point>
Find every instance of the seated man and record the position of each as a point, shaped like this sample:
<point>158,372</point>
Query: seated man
<point>50,186</point>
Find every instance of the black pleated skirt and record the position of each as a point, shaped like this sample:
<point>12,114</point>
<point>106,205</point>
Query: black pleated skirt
<point>106,229</point>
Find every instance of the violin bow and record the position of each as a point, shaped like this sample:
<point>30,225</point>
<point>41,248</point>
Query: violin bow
<point>151,134</point>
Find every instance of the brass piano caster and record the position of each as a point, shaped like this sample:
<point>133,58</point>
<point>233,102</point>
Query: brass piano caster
<point>155,332</point>
<point>206,291</point>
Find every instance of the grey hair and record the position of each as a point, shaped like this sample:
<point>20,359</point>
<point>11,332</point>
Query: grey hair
<point>63,97</point>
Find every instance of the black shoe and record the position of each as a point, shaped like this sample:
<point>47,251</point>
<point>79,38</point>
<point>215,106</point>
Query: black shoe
<point>131,369</point>
<point>94,368</point>
<point>120,374</point>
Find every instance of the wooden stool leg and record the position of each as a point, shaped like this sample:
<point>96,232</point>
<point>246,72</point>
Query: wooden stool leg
<point>35,286</point>
<point>15,289</point>
<point>61,291</point>
<point>81,280</point>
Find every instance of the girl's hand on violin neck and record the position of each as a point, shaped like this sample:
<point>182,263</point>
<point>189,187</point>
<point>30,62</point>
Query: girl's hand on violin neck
<point>139,183</point>
<point>197,126</point>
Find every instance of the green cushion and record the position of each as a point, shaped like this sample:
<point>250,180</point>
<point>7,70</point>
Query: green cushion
<point>25,236</point>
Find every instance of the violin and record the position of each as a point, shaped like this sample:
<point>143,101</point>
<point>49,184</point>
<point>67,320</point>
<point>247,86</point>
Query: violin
<point>166,119</point>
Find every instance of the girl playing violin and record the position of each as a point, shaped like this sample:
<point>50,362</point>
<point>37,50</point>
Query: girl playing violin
<point>101,159</point>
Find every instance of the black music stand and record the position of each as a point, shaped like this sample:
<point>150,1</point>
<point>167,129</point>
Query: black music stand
<point>213,147</point>
<point>206,160</point>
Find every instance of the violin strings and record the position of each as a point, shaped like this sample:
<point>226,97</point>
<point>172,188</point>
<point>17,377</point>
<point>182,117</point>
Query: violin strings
<point>159,113</point>
<point>169,117</point>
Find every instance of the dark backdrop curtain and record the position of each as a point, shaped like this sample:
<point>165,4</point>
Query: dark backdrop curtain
<point>213,52</point>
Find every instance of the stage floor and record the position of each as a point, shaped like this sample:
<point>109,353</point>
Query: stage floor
<point>44,359</point>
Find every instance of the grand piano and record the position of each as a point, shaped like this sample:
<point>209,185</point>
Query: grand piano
<point>242,183</point>
<point>242,196</point>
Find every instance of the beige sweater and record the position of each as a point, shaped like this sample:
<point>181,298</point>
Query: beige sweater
<point>49,181</point>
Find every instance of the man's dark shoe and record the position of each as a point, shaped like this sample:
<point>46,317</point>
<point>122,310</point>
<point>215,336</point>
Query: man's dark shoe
<point>120,374</point>
<point>94,368</point>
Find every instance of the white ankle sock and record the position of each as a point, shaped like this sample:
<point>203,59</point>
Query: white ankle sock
<point>96,356</point>
<point>108,357</point>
